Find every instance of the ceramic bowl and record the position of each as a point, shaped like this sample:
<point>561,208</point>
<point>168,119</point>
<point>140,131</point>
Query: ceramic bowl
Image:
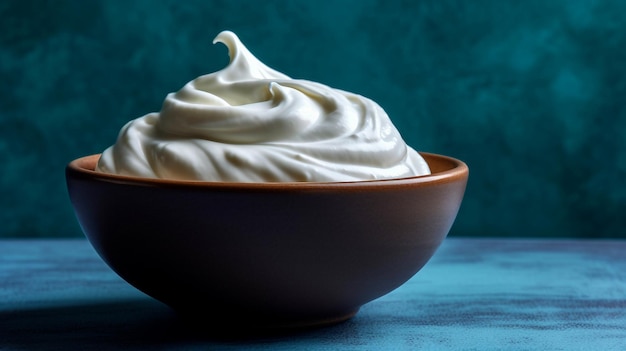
<point>272,254</point>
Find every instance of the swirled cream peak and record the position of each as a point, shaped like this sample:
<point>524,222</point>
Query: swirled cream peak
<point>250,123</point>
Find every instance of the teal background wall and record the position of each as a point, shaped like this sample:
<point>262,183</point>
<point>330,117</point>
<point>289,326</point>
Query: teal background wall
<point>529,93</point>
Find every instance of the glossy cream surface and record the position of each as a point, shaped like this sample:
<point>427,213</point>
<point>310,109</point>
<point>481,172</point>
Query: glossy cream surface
<point>251,123</point>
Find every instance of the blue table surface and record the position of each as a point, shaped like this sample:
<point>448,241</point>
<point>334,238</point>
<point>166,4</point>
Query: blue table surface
<point>474,294</point>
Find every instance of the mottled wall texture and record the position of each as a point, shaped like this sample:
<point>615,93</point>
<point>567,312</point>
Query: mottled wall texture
<point>529,93</point>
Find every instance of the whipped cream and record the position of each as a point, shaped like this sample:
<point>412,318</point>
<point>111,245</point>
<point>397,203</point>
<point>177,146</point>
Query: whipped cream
<point>250,123</point>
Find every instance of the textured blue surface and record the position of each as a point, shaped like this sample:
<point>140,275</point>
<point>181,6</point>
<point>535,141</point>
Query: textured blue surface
<point>475,294</point>
<point>529,93</point>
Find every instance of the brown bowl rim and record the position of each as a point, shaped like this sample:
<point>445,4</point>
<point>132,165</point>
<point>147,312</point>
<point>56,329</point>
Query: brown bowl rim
<point>459,171</point>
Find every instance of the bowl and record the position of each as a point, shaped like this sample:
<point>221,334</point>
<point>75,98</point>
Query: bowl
<point>266,254</point>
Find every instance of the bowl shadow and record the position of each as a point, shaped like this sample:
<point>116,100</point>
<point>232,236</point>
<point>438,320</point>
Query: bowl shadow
<point>123,324</point>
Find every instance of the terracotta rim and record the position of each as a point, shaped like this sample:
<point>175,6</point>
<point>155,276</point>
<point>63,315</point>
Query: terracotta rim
<point>84,167</point>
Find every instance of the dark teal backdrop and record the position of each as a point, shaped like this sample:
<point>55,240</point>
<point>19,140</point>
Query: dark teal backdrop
<point>529,93</point>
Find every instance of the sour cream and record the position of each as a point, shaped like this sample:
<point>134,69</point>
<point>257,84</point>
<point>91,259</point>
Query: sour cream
<point>251,123</point>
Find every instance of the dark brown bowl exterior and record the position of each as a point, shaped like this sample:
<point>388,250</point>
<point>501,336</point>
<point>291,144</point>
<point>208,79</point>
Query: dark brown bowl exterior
<point>271,253</point>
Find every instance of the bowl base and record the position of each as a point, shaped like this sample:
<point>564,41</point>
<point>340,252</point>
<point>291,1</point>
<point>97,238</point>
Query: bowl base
<point>235,327</point>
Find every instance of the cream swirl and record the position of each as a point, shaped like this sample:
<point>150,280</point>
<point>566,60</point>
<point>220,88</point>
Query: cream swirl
<point>250,123</point>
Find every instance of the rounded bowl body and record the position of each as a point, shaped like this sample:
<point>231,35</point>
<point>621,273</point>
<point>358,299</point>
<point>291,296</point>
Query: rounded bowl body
<point>266,253</point>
